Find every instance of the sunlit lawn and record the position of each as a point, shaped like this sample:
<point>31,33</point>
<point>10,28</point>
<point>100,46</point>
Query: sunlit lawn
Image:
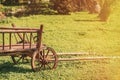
<point>78,32</point>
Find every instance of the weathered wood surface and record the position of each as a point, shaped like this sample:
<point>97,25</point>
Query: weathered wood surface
<point>83,58</point>
<point>18,28</point>
<point>24,46</point>
<point>18,31</point>
<point>76,53</point>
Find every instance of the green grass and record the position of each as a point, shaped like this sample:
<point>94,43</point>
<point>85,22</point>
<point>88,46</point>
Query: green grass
<point>75,70</point>
<point>70,33</point>
<point>74,33</point>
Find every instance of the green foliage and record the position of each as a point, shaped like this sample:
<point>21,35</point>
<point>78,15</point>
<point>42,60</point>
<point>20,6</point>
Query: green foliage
<point>39,8</point>
<point>61,6</point>
<point>76,32</point>
<point>10,2</point>
<point>66,6</point>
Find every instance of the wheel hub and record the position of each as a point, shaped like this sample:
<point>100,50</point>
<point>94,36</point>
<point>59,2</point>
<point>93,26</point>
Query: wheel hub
<point>44,61</point>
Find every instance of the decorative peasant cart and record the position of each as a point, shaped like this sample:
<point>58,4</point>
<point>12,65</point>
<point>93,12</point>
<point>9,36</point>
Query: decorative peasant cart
<point>19,43</point>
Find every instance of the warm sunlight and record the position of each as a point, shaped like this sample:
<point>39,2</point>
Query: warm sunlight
<point>59,40</point>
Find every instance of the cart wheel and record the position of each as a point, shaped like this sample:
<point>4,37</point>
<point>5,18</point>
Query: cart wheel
<point>45,59</point>
<point>19,58</point>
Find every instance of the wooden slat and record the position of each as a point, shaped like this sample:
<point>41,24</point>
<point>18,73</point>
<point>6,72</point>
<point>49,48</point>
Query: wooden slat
<point>75,53</point>
<point>30,39</point>
<point>83,58</point>
<point>8,28</point>
<point>17,31</point>
<point>3,38</point>
<point>39,34</point>
<point>15,51</point>
<point>23,40</point>
<point>10,40</point>
<point>18,45</point>
<point>18,51</point>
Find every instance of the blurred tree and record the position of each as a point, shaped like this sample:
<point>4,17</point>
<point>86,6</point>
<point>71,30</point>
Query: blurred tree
<point>106,10</point>
<point>66,6</point>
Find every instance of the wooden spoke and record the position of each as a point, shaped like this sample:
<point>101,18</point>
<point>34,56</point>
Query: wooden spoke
<point>19,59</point>
<point>41,66</point>
<point>46,54</point>
<point>49,66</point>
<point>43,54</point>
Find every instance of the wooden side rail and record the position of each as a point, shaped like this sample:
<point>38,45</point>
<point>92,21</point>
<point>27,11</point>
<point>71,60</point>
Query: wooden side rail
<point>17,31</point>
<point>39,38</point>
<point>21,34</point>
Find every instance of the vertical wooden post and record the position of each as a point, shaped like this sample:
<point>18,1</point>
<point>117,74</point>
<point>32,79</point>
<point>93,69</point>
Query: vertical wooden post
<point>10,41</point>
<point>3,37</point>
<point>39,37</point>
<point>27,37</point>
<point>23,40</point>
<point>30,39</point>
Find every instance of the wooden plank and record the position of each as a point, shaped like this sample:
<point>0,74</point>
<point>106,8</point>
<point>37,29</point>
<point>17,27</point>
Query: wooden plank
<point>8,28</point>
<point>18,45</point>
<point>39,37</point>
<point>3,39</point>
<point>20,48</point>
<point>30,39</point>
<point>23,40</point>
<point>10,40</point>
<point>17,52</point>
<point>15,48</point>
<point>83,58</point>
<point>76,53</point>
<point>17,31</point>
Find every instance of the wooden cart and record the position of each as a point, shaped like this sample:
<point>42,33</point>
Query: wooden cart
<point>20,43</point>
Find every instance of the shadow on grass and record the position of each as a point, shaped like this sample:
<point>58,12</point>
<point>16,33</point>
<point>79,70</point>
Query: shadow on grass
<point>10,67</point>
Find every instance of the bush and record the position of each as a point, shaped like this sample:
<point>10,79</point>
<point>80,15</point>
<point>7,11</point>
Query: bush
<point>62,6</point>
<point>10,2</point>
<point>66,6</point>
<point>40,8</point>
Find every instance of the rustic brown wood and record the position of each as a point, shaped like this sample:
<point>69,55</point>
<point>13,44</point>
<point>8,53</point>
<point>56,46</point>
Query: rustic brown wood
<point>8,28</point>
<point>17,31</point>
<point>30,39</point>
<point>3,36</point>
<point>43,59</point>
<point>14,48</point>
<point>18,45</point>
<point>10,40</point>
<point>83,58</point>
<point>23,40</point>
<point>80,53</point>
<point>18,52</point>
<point>8,52</point>
<point>39,37</point>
